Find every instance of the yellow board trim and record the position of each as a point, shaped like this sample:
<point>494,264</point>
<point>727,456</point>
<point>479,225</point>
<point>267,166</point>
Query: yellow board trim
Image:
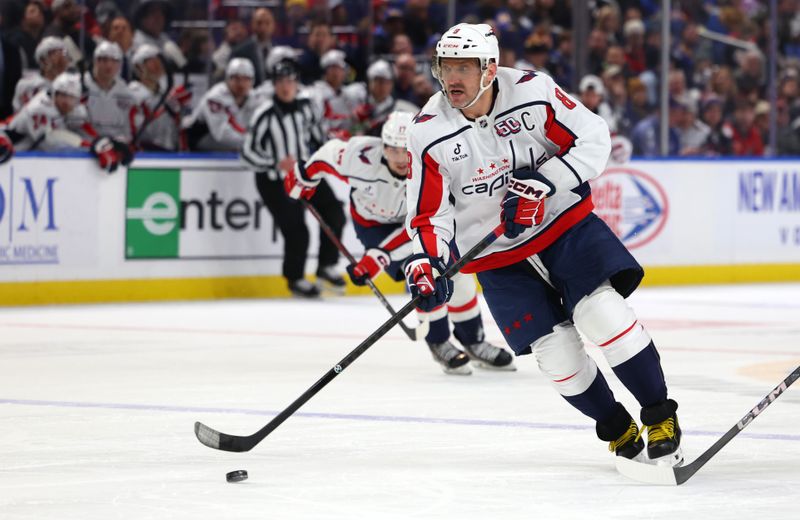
<point>102,291</point>
<point>721,274</point>
<point>106,291</point>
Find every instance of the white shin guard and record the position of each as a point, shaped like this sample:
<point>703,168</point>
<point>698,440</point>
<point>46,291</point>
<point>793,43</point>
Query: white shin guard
<point>606,320</point>
<point>564,361</point>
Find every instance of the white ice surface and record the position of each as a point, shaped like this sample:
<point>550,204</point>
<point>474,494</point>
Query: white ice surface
<point>97,405</point>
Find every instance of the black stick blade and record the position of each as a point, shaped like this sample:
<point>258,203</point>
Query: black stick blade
<point>222,441</point>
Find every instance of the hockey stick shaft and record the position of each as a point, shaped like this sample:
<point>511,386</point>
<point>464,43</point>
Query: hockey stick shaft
<point>235,443</point>
<point>683,474</point>
<point>675,476</point>
<point>412,334</point>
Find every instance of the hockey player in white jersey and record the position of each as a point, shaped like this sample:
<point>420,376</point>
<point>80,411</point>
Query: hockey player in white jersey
<point>378,101</point>
<point>158,122</point>
<point>219,121</point>
<point>339,101</point>
<point>51,56</point>
<point>56,120</point>
<point>506,146</point>
<point>375,168</point>
<point>109,101</point>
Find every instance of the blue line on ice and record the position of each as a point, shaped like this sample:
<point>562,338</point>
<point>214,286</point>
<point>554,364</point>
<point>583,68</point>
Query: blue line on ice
<point>362,417</point>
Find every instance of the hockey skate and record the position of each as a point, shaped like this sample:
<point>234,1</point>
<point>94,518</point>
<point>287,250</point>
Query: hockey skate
<point>452,360</point>
<point>487,356</point>
<point>302,288</point>
<point>329,279</point>
<point>630,444</point>
<point>663,434</point>
<point>623,435</point>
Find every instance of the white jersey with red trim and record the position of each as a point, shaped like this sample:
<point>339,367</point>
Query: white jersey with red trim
<point>460,168</point>
<point>339,106</point>
<point>28,87</point>
<point>111,111</point>
<point>39,117</point>
<point>377,196</point>
<point>223,119</point>
<point>162,131</point>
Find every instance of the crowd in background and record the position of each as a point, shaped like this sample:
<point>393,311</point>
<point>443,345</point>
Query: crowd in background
<point>359,59</point>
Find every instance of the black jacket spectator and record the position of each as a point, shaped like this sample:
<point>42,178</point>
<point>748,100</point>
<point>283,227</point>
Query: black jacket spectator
<point>10,72</point>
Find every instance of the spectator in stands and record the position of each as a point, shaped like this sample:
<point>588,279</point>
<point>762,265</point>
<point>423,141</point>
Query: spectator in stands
<point>151,19</point>
<point>537,53</point>
<point>109,101</point>
<point>592,95</point>
<point>746,139</point>
<point>723,87</point>
<point>693,133</point>
<point>51,55</point>
<point>750,76</point>
<point>66,24</point>
<point>418,23</point>
<point>219,121</point>
<point>196,45</point>
<point>401,44</point>
<point>598,46</point>
<point>234,35</point>
<point>29,32</point>
<point>635,54</point>
<point>385,31</point>
<point>405,68</point>
<point>120,32</point>
<point>638,106</point>
<point>719,137</point>
<point>10,71</point>
<point>561,60</point>
<point>257,47</point>
<point>615,57</point>
<point>423,89</point>
<point>320,41</point>
<point>617,97</point>
<point>646,135</point>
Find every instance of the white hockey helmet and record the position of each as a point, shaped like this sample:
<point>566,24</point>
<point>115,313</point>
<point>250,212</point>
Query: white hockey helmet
<point>108,49</point>
<point>144,53</point>
<point>240,67</point>
<point>395,128</point>
<point>67,83</point>
<point>467,40</point>
<point>47,45</point>
<point>333,57</point>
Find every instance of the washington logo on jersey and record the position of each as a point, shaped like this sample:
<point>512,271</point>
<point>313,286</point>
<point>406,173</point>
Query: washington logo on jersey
<point>632,203</point>
<point>421,118</point>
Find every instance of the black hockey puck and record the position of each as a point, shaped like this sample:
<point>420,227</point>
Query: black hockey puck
<point>236,476</point>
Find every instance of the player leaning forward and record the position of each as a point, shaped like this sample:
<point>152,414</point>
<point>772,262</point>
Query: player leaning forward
<point>375,168</point>
<point>504,142</point>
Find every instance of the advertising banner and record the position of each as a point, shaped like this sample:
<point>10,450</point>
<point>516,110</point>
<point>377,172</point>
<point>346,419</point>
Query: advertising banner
<point>196,213</point>
<point>48,215</point>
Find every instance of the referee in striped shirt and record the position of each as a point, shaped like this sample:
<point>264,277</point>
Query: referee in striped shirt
<point>285,129</point>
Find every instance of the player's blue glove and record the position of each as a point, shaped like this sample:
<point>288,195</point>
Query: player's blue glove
<point>424,277</point>
<point>523,204</point>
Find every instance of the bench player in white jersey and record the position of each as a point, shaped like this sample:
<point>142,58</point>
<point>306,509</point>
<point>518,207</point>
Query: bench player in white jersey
<point>339,101</point>
<point>375,168</point>
<point>56,120</point>
<point>51,56</point>
<point>219,121</point>
<point>158,122</point>
<point>109,101</point>
<point>501,145</point>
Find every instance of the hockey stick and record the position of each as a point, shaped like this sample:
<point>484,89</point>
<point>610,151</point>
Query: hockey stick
<point>671,476</point>
<point>414,334</point>
<point>223,441</point>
